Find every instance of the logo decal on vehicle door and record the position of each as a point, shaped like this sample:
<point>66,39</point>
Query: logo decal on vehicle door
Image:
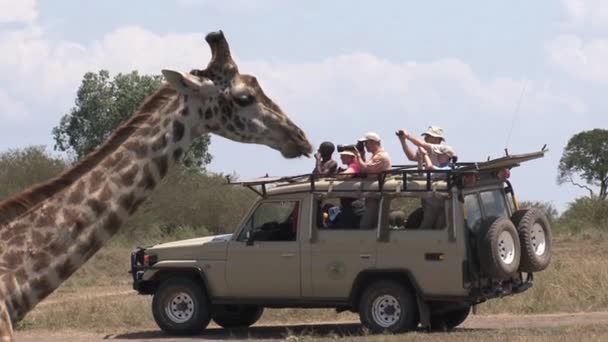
<point>336,270</point>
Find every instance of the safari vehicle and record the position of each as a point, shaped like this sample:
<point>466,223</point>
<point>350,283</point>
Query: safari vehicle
<point>395,272</point>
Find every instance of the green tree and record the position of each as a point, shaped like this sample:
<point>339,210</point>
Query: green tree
<point>102,104</point>
<point>586,158</point>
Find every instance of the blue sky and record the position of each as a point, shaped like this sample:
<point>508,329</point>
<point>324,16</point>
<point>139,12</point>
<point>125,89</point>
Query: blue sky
<point>338,68</point>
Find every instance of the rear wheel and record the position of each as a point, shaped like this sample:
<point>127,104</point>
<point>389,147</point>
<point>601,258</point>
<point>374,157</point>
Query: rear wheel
<point>387,306</point>
<point>180,307</point>
<point>236,316</point>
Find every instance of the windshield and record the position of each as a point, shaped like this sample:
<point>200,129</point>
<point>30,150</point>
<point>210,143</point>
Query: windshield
<point>277,221</point>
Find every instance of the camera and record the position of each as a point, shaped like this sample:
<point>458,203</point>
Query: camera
<point>342,148</point>
<point>359,146</point>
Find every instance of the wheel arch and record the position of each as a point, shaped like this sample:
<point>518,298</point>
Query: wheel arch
<point>162,274</point>
<point>365,278</point>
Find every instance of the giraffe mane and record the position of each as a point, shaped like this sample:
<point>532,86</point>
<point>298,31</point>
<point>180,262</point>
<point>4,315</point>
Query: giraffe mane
<point>20,203</point>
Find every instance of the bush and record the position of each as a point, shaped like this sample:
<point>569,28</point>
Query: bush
<point>21,168</point>
<point>546,207</point>
<point>583,214</point>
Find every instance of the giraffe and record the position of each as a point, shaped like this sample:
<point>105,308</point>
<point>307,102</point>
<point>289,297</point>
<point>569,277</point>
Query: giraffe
<point>54,228</point>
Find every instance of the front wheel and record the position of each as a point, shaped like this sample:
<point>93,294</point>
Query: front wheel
<point>180,307</point>
<point>387,306</point>
<point>236,316</point>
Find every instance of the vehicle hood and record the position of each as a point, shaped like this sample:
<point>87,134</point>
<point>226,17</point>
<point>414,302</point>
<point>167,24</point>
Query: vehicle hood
<point>207,248</point>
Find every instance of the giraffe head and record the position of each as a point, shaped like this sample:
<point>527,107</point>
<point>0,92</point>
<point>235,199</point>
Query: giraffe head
<point>222,101</point>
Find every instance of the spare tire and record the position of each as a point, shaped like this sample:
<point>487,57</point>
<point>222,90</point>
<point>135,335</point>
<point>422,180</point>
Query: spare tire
<point>498,248</point>
<point>535,238</point>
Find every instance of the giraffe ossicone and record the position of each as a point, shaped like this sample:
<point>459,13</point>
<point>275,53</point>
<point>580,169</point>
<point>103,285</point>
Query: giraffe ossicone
<point>48,231</point>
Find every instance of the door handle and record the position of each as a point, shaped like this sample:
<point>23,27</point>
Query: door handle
<point>288,255</point>
<point>365,256</point>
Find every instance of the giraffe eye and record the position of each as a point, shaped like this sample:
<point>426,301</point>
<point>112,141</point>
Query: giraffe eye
<point>244,99</point>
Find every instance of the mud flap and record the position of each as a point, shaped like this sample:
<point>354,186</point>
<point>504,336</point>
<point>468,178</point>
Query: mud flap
<point>424,313</point>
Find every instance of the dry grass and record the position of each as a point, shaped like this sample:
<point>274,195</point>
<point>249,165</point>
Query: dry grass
<point>577,281</point>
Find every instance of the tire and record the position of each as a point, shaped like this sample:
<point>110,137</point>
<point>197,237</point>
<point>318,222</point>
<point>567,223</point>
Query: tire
<point>449,320</point>
<point>499,250</point>
<point>414,220</point>
<point>236,316</point>
<point>535,237</point>
<point>180,307</point>
<point>387,306</point>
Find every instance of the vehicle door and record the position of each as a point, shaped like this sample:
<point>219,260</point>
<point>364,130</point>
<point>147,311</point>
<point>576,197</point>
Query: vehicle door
<point>342,247</point>
<point>264,258</point>
<point>432,254</point>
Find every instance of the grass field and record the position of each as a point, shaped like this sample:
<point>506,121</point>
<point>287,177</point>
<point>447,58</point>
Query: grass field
<point>98,297</point>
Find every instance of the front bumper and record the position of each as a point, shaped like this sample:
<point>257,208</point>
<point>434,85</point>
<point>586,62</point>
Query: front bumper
<point>137,268</point>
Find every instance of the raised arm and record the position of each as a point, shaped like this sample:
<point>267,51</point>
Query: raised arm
<point>409,152</point>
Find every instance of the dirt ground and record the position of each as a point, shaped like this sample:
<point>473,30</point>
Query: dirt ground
<point>348,330</point>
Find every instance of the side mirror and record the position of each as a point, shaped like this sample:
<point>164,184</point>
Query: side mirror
<point>250,238</point>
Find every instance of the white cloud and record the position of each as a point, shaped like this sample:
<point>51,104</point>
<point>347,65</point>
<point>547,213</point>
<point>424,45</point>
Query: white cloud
<point>586,12</point>
<point>365,83</point>
<point>47,69</point>
<point>582,60</point>
<point>16,11</point>
<point>239,6</point>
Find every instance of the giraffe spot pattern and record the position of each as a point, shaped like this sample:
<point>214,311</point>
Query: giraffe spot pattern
<point>161,165</point>
<point>178,131</point>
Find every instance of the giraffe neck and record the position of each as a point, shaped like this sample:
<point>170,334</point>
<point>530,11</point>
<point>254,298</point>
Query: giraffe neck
<point>47,244</point>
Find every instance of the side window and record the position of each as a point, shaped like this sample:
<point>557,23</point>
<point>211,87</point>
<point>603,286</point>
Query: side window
<point>273,221</point>
<point>405,213</point>
<point>494,204</point>
<point>346,213</point>
<point>472,211</point>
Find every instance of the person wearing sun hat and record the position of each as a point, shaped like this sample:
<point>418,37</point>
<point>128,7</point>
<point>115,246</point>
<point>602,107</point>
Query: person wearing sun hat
<point>431,144</point>
<point>348,158</point>
<point>380,160</point>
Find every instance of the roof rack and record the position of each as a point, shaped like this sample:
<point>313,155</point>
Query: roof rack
<point>452,177</point>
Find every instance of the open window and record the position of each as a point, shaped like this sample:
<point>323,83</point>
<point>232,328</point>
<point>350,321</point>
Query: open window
<point>272,221</point>
<point>416,213</point>
<point>347,213</point>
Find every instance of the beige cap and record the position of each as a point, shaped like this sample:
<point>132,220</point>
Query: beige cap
<point>371,136</point>
<point>434,131</point>
<point>347,153</point>
<point>443,149</point>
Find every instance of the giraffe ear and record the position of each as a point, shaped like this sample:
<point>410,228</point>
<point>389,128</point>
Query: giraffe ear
<point>189,84</point>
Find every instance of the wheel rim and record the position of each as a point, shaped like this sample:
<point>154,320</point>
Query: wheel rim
<point>386,311</point>
<point>506,247</point>
<point>539,241</point>
<point>180,307</point>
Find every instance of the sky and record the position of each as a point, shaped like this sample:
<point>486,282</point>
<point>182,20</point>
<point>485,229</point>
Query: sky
<point>493,74</point>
